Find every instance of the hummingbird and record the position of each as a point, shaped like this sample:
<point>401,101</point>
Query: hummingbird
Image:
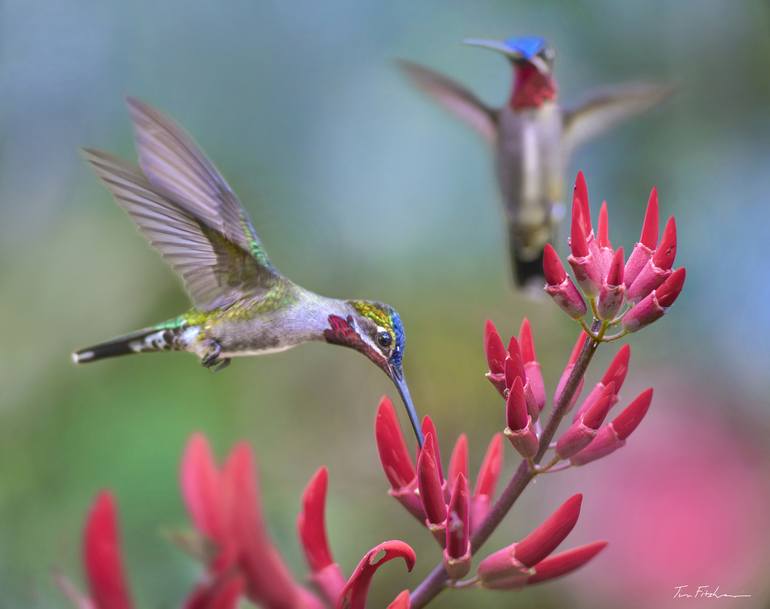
<point>242,304</point>
<point>532,137</point>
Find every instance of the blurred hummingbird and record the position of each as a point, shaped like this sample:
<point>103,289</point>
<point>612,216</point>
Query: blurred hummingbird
<point>242,304</point>
<point>533,136</point>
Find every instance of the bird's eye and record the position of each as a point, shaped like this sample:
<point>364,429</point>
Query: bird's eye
<point>384,339</point>
<point>549,54</point>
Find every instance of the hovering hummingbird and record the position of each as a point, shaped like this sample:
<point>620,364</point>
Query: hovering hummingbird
<point>533,136</point>
<point>242,304</point>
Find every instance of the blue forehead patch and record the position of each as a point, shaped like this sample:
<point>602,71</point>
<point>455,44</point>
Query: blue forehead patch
<point>528,46</point>
<point>398,329</point>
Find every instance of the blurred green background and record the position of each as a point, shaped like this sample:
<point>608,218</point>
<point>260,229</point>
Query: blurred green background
<point>360,187</point>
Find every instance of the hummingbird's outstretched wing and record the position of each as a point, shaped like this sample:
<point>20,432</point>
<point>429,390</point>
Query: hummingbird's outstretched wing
<point>454,97</point>
<point>175,164</point>
<point>216,270</point>
<point>604,107</point>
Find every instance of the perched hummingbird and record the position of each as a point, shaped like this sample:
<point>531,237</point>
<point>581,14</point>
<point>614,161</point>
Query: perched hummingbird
<point>242,304</point>
<point>532,137</point>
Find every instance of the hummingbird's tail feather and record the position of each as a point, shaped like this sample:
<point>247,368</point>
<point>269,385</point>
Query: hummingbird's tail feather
<point>141,341</point>
<point>527,271</point>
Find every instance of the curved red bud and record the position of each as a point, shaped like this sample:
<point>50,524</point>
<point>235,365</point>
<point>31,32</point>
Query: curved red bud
<point>516,413</point>
<point>458,532</point>
<point>666,251</point>
<point>458,462</point>
<point>201,485</point>
<point>618,369</point>
<point>565,562</point>
<point>649,236</point>
<point>429,482</point>
<point>669,290</point>
<point>553,269</point>
<point>628,420</point>
<point>617,269</point>
<point>526,342</point>
<point>597,412</point>
<point>394,455</point>
<point>311,524</point>
<point>580,195</point>
<point>545,538</point>
<point>101,556</point>
<point>493,348</point>
<point>514,367</point>
<point>354,594</point>
<point>578,237</point>
<point>428,427</point>
<point>603,227</point>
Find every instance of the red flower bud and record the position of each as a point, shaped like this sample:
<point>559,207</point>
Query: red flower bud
<point>648,240</point>
<point>429,482</point>
<point>428,427</point>
<point>650,308</point>
<point>580,199</point>
<point>457,555</point>
<point>458,462</point>
<point>560,287</point>
<point>613,289</point>
<point>531,366</point>
<point>582,431</point>
<point>615,373</point>
<point>394,455</point>
<point>658,268</point>
<point>628,420</point>
<point>520,430</point>
<point>666,251</point>
<point>494,348</point>
<point>565,562</point>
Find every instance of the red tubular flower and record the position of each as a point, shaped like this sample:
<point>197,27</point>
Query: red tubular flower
<point>225,507</point>
<point>486,481</point>
<point>395,458</point>
<point>654,305</point>
<point>458,462</point>
<point>582,337</point>
<point>431,492</point>
<point>560,287</point>
<point>401,601</point>
<point>531,365</point>
<point>648,241</point>
<point>457,552</point>
<point>428,427</point>
<point>496,355</point>
<point>586,264</point>
<point>612,436</point>
<point>101,556</point>
<point>613,289</point>
<point>515,560</point>
<point>354,594</point>
<point>520,429</point>
<point>658,268</point>
<point>552,567</point>
<point>616,373</point>
<point>582,431</point>
<point>311,526</point>
<point>580,200</point>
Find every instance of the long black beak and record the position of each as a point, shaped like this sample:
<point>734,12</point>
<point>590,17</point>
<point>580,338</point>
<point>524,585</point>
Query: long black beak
<point>397,374</point>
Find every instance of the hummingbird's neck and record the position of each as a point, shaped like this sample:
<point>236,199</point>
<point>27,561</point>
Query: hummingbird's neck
<point>531,88</point>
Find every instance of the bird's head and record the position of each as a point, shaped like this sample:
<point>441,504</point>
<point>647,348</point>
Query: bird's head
<point>532,59</point>
<point>375,329</point>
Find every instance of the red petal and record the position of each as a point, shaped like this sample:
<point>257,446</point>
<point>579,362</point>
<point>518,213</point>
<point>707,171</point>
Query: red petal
<point>428,427</point>
<point>628,420</point>
<point>430,483</point>
<point>618,368</point>
<point>268,581</point>
<point>202,488</point>
<point>666,251</point>
<point>597,412</point>
<point>603,228</point>
<point>526,342</point>
<point>545,538</point>
<point>669,290</point>
<point>565,562</point>
<point>489,472</point>
<point>458,462</point>
<point>580,194</point>
<point>391,445</point>
<point>354,594</point>
<point>493,348</point>
<point>578,244</point>
<point>101,556</point>
<point>311,524</point>
<point>617,268</point>
<point>458,521</point>
<point>553,269</point>
<point>516,406</point>
<point>649,236</point>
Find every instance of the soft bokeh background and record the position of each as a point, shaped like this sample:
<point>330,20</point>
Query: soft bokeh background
<point>362,188</point>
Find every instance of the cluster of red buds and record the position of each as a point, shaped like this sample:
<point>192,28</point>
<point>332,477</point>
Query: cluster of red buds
<point>231,539</point>
<point>630,293</point>
<point>232,542</point>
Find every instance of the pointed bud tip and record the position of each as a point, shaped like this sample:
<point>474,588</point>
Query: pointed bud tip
<point>618,368</point>
<point>617,268</point>
<point>597,412</point>
<point>526,342</point>
<point>516,406</point>
<point>578,243</point>
<point>628,420</point>
<point>553,269</point>
<point>649,236</point>
<point>670,289</point>
<point>580,196</point>
<point>545,538</point>
<point>603,228</point>
<point>665,253</point>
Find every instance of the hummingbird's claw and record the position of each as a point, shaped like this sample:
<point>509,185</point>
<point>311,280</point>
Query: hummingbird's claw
<point>212,360</point>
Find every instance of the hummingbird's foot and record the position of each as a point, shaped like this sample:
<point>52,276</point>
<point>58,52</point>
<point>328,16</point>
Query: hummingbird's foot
<point>211,358</point>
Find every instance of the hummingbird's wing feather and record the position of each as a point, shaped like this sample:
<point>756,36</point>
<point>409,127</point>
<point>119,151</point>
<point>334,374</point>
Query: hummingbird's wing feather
<point>454,97</point>
<point>604,107</point>
<point>174,163</point>
<point>216,271</point>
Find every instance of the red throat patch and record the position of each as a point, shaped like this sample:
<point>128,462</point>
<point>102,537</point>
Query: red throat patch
<point>531,88</point>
